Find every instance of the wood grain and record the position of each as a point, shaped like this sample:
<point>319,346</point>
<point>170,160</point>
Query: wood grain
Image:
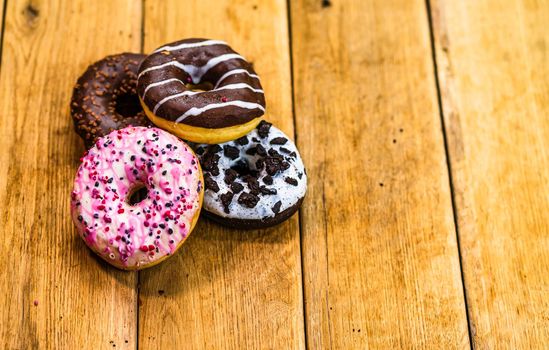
<point>492,59</point>
<point>229,289</point>
<point>80,302</point>
<point>381,266</point>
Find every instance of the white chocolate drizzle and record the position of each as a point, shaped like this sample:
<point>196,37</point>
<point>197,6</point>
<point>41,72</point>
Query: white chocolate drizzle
<point>190,45</point>
<point>196,111</point>
<point>196,72</point>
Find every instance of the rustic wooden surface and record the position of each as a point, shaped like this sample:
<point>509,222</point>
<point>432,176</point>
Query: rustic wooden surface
<point>228,288</point>
<point>380,256</point>
<point>424,128</point>
<point>495,93</point>
<point>80,300</point>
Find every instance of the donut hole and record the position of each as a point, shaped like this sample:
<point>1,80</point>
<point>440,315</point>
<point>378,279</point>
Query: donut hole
<point>137,194</point>
<point>127,105</point>
<point>200,87</point>
<point>242,167</point>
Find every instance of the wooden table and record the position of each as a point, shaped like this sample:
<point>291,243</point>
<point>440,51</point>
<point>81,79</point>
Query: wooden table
<point>425,129</point>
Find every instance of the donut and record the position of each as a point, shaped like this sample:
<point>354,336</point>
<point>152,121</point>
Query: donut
<point>105,97</point>
<point>201,90</point>
<point>128,233</point>
<point>256,181</point>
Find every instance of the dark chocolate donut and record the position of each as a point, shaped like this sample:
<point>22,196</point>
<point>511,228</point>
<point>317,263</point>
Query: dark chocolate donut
<point>256,181</point>
<point>233,93</point>
<point>105,97</point>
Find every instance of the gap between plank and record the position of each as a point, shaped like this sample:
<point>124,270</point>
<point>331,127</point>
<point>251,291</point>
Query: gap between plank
<point>428,8</point>
<point>5,7</point>
<point>292,86</point>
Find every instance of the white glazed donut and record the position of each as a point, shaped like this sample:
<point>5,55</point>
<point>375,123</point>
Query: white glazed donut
<point>256,181</point>
<point>135,236</point>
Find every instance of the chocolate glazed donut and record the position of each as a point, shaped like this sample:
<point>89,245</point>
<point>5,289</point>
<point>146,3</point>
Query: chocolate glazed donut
<point>200,83</point>
<point>105,97</point>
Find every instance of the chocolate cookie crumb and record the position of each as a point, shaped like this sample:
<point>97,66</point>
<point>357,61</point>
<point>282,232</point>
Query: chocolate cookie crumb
<point>241,167</point>
<point>276,207</point>
<point>278,141</point>
<point>226,199</point>
<point>291,181</point>
<point>285,150</point>
<point>263,129</point>
<point>274,165</point>
<point>242,141</point>
<point>266,191</point>
<point>209,162</point>
<point>248,200</point>
<point>236,187</point>
<point>261,150</point>
<point>253,184</point>
<point>230,176</point>
<point>274,153</point>
<point>231,152</point>
<point>211,184</point>
<point>267,180</point>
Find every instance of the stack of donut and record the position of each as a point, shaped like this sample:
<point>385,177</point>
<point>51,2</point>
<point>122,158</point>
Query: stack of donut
<point>168,134</point>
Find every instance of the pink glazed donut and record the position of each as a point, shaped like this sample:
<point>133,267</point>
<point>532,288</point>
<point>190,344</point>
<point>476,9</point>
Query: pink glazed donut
<point>127,233</point>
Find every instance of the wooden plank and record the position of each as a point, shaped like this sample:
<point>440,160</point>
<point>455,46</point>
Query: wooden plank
<point>492,59</point>
<point>55,293</point>
<point>381,265</point>
<point>229,289</point>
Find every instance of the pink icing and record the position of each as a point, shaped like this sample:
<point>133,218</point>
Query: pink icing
<point>134,236</point>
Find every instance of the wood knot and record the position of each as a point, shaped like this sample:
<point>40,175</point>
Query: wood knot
<point>326,3</point>
<point>31,12</point>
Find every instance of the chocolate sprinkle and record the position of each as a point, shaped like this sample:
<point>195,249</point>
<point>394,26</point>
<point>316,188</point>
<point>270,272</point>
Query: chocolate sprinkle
<point>99,106</point>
